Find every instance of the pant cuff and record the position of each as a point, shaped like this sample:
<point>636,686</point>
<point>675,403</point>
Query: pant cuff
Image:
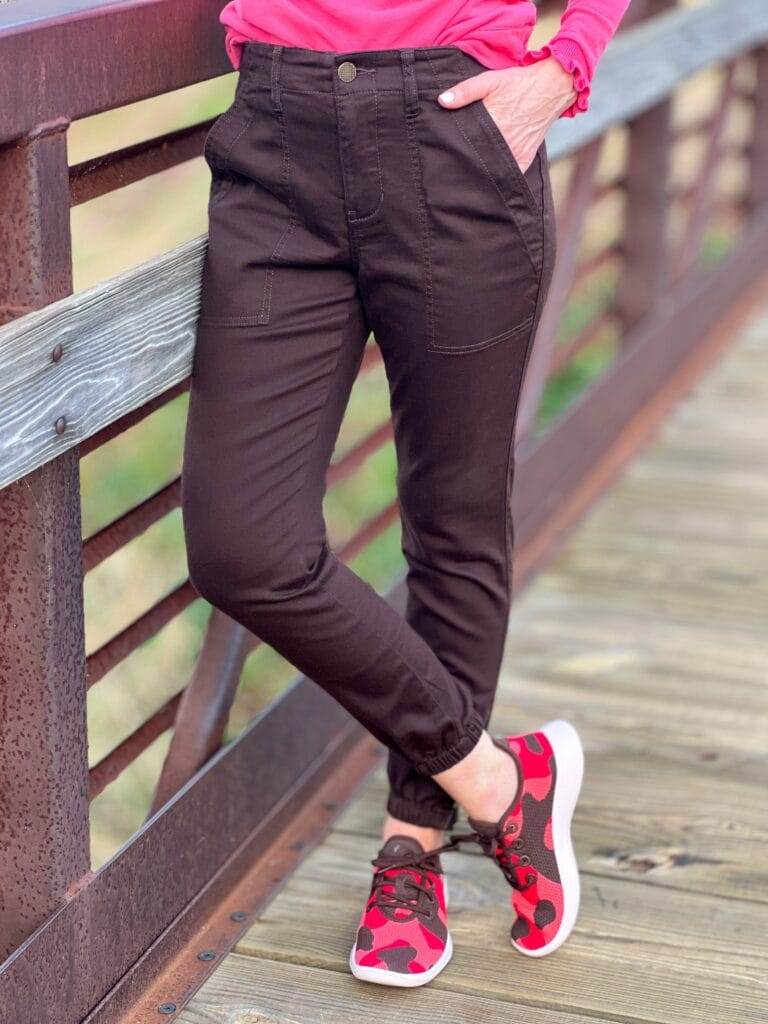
<point>422,814</point>
<point>452,755</point>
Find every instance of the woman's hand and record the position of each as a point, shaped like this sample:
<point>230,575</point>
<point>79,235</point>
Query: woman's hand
<point>524,102</point>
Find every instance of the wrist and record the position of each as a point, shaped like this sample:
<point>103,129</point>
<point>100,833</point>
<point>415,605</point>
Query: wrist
<point>566,54</point>
<point>557,84</point>
<point>569,55</point>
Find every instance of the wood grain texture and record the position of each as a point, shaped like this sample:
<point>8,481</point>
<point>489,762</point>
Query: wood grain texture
<point>701,950</point>
<point>124,342</point>
<point>633,821</point>
<point>649,633</point>
<point>249,991</point>
<point>131,338</point>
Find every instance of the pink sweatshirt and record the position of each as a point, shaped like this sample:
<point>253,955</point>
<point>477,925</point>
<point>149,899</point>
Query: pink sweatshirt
<point>495,32</point>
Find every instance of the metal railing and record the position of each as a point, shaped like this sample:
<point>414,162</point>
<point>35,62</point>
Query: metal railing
<point>77,371</point>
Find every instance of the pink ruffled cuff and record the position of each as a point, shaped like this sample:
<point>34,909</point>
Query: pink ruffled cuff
<point>570,55</point>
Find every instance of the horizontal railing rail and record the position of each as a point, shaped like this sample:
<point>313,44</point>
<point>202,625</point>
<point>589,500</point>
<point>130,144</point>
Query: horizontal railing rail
<point>100,55</point>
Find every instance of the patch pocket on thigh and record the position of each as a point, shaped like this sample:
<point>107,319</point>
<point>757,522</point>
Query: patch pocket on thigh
<point>250,212</point>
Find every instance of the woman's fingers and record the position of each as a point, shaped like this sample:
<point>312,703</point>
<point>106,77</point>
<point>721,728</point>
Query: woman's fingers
<point>469,90</point>
<point>523,102</point>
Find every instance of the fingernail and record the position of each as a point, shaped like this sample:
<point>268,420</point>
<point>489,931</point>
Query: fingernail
<point>447,97</point>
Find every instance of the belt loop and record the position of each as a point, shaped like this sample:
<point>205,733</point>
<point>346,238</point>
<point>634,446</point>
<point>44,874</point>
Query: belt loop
<point>410,88</point>
<point>274,78</point>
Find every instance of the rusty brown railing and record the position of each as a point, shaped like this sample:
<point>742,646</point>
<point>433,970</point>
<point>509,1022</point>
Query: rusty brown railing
<point>653,249</point>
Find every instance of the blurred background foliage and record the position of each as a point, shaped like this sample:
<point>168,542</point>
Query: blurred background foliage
<point>124,228</point>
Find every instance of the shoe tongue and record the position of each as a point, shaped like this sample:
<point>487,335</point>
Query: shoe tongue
<point>486,828</point>
<point>401,846</point>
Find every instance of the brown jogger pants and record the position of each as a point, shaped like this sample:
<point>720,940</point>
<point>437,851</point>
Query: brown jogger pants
<point>344,199</point>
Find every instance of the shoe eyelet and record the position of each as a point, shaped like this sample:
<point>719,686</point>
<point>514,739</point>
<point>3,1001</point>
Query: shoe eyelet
<point>512,827</point>
<point>525,859</point>
<point>517,844</point>
<point>530,878</point>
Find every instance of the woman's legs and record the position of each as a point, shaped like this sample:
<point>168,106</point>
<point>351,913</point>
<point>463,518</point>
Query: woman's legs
<point>339,204</point>
<point>280,337</point>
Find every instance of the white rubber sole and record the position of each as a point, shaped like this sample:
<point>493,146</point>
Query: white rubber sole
<point>569,765</point>
<point>397,979</point>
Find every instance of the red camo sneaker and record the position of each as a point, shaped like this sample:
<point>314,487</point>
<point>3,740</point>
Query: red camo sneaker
<point>403,936</point>
<point>531,842</point>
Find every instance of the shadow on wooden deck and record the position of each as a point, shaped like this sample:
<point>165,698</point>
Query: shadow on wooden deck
<point>650,633</point>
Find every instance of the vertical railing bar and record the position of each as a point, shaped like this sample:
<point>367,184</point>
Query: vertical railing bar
<point>700,202</point>
<point>44,829</point>
<point>643,283</point>
<point>577,203</point>
<point>757,186</point>
<point>205,705</point>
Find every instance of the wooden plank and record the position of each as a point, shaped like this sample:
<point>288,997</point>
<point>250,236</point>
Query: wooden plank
<point>614,653</point>
<point>700,950</point>
<point>123,342</point>
<point>690,598</point>
<point>246,990</point>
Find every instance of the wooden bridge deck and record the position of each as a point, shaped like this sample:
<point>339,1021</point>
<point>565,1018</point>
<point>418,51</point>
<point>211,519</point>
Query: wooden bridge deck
<point>649,632</point>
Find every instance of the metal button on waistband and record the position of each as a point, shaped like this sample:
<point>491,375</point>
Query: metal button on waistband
<point>347,71</point>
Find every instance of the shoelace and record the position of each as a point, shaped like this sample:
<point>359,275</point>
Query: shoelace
<point>414,895</point>
<point>493,848</point>
<point>415,892</point>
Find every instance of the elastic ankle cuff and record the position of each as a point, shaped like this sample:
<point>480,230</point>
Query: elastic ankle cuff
<point>452,755</point>
<point>423,815</point>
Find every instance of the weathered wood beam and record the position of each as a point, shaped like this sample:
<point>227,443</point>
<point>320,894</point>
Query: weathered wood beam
<point>118,345</point>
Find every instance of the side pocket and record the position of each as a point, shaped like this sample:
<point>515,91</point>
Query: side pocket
<point>250,213</point>
<point>218,125</point>
<point>217,143</point>
<point>519,181</point>
<point>482,235</point>
<point>221,183</point>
